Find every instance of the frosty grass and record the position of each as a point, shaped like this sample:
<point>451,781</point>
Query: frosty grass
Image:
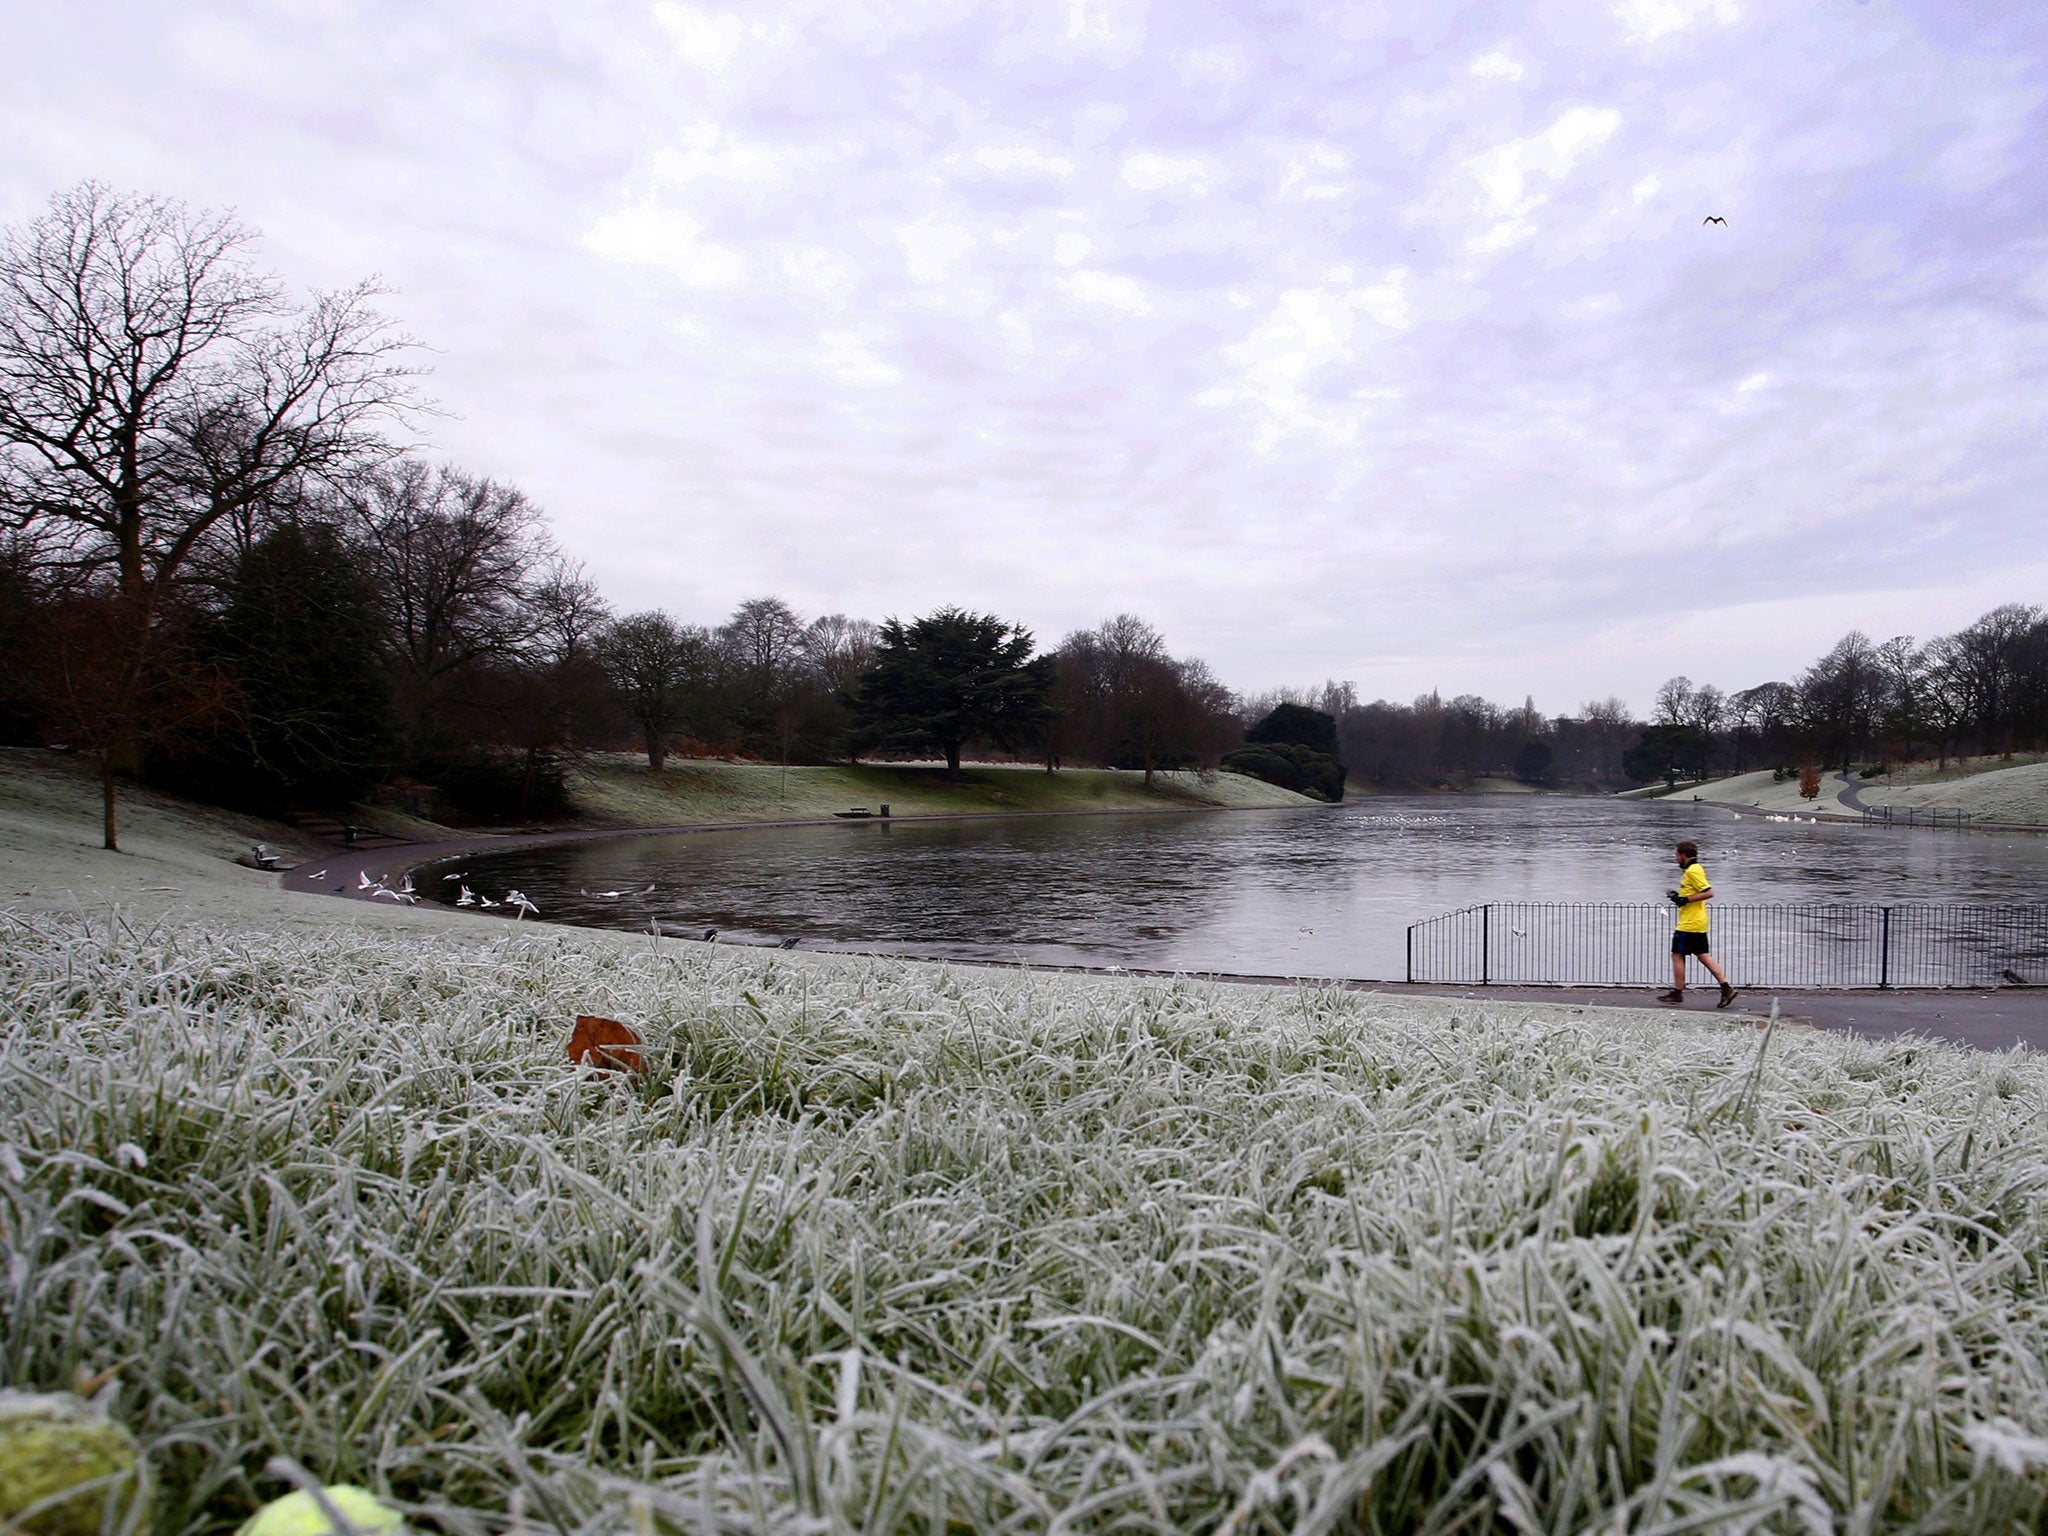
<point>882,1246</point>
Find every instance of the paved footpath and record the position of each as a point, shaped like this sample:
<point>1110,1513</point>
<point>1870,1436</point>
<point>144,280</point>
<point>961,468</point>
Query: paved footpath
<point>1991,1020</point>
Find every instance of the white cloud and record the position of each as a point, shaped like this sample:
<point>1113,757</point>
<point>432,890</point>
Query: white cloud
<point>1278,370</point>
<point>706,151</point>
<point>1112,290</point>
<point>1497,66</point>
<point>714,41</point>
<point>1649,20</point>
<point>1149,172</point>
<point>1500,237</point>
<point>1646,189</point>
<point>1309,173</point>
<point>818,272</point>
<point>1023,161</point>
<point>1112,27</point>
<point>849,358</point>
<point>1215,66</point>
<point>662,237</point>
<point>1071,248</point>
<point>933,249</point>
<point>1503,172</point>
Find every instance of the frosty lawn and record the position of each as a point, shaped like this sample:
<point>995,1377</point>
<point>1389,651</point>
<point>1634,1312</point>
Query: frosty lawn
<point>883,1247</point>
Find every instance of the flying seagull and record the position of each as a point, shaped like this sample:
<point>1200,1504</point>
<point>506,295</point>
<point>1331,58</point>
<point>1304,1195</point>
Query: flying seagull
<point>1713,218</point>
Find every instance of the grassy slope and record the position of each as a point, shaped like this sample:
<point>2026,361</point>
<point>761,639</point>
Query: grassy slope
<point>1759,790</point>
<point>1994,788</point>
<point>50,835</point>
<point>1998,789</point>
<point>621,792</point>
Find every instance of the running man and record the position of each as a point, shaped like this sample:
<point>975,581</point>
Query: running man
<point>1690,937</point>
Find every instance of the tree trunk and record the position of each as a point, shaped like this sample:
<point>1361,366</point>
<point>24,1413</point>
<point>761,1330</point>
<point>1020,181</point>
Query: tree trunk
<point>107,801</point>
<point>657,750</point>
<point>952,759</point>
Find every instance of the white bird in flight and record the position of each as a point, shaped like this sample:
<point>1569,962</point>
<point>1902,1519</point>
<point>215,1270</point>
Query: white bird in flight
<point>467,898</point>
<point>518,899</point>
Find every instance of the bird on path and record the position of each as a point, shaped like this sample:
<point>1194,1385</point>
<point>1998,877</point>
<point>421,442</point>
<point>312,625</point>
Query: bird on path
<point>710,935</point>
<point>1713,218</point>
<point>787,944</point>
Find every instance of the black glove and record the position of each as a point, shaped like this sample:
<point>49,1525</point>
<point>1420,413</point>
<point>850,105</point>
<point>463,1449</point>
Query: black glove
<point>1676,899</point>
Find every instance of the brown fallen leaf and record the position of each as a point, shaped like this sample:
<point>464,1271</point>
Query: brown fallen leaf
<point>606,1043</point>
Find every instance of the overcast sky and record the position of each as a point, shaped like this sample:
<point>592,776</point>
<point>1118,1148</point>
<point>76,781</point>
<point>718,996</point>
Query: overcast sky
<point>1379,340</point>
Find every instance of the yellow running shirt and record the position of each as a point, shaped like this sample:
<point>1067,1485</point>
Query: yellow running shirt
<point>1692,917</point>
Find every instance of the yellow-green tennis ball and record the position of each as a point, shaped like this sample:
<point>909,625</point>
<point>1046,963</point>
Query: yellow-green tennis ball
<point>300,1514</point>
<point>52,1443</point>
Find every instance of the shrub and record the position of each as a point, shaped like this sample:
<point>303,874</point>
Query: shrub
<point>1291,767</point>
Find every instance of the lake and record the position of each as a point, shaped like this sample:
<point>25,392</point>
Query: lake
<point>1325,891</point>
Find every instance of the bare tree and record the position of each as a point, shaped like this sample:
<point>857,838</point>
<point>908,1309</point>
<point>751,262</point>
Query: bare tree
<point>153,384</point>
<point>837,650</point>
<point>462,563</point>
<point>660,669</point>
<point>764,641</point>
<point>1674,704</point>
<point>153,388</point>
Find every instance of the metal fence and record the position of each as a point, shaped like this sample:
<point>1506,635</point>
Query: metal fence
<point>1915,816</point>
<point>1578,944</point>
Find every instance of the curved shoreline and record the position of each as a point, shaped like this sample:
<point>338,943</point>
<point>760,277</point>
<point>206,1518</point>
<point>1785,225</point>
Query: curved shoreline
<point>344,871</point>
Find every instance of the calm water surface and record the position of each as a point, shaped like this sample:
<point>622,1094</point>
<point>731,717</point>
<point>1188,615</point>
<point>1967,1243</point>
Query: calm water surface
<point>1310,892</point>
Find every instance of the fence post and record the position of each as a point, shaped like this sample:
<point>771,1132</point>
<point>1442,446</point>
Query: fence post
<point>1486,945</point>
<point>1884,953</point>
<point>1411,952</point>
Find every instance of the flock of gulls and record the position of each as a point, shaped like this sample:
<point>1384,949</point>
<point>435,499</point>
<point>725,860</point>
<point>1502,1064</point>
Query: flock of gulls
<point>516,900</point>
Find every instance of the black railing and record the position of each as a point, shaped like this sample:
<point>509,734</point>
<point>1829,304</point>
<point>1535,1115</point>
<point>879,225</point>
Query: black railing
<point>1577,944</point>
<point>1915,816</point>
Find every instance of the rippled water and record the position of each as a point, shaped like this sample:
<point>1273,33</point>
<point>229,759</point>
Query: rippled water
<point>1323,891</point>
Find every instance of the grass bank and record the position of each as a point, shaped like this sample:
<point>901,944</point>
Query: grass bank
<point>619,791</point>
<point>1990,788</point>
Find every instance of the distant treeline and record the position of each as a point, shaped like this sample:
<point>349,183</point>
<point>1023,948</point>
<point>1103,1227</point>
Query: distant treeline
<point>1983,689</point>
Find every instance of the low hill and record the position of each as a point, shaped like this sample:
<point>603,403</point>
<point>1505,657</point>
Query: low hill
<point>619,791</point>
